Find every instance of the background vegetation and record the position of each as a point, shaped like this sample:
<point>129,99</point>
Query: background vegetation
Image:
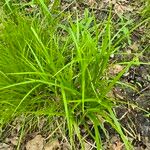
<point>56,66</point>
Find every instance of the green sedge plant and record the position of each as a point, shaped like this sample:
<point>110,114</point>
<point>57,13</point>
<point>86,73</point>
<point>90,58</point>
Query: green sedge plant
<point>58,67</point>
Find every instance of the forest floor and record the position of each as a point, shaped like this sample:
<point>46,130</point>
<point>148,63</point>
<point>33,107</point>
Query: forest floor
<point>134,118</point>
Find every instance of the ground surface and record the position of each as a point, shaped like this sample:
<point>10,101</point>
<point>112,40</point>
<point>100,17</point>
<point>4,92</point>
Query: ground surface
<point>132,119</point>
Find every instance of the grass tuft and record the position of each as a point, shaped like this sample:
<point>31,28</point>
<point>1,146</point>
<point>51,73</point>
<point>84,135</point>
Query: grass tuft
<point>55,67</point>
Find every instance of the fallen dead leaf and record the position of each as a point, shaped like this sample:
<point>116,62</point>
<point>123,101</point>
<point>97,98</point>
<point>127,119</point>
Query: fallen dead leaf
<point>116,144</point>
<point>147,142</point>
<point>54,145</point>
<point>120,9</point>
<point>14,140</point>
<point>110,1</point>
<point>91,2</point>
<point>115,69</point>
<point>87,146</point>
<point>35,144</point>
<point>66,146</point>
<point>4,146</point>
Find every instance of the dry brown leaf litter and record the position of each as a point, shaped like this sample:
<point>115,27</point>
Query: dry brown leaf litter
<point>91,2</point>
<point>116,144</point>
<point>120,9</point>
<point>35,144</point>
<point>4,146</point>
<point>54,145</point>
<point>115,69</point>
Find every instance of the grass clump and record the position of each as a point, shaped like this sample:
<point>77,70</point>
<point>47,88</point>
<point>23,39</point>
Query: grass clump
<point>53,67</point>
